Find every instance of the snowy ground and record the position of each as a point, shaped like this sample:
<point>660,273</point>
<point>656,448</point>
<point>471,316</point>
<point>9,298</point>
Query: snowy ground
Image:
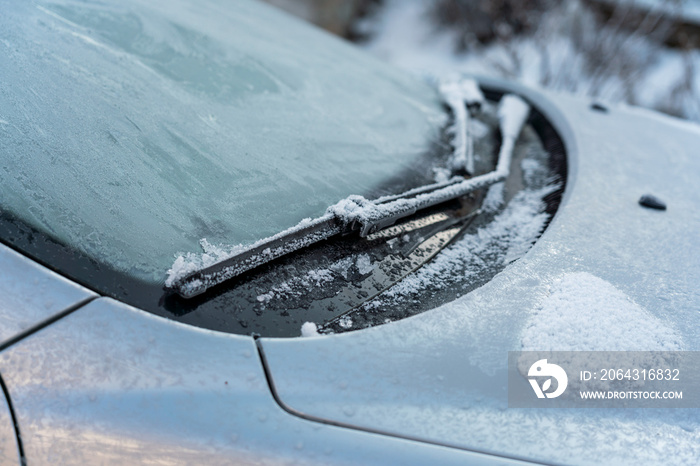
<point>569,51</point>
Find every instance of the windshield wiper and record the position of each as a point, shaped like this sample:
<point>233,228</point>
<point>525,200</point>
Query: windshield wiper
<point>356,214</point>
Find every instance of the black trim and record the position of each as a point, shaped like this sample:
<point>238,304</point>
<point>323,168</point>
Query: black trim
<point>20,336</point>
<point>45,323</point>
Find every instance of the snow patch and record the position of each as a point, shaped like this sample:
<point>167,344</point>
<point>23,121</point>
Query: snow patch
<point>580,305</point>
<point>441,175</point>
<point>298,286</point>
<point>531,169</point>
<point>507,237</point>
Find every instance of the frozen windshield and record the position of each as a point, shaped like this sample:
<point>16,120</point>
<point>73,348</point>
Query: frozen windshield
<point>130,131</point>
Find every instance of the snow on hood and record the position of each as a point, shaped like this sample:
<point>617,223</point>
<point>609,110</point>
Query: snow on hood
<point>580,305</point>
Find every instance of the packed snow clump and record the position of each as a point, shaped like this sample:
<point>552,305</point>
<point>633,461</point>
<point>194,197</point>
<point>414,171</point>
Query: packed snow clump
<point>364,264</point>
<point>309,329</point>
<point>190,262</point>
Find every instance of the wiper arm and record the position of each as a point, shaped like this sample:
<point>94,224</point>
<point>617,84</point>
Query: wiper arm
<point>456,93</point>
<point>356,214</point>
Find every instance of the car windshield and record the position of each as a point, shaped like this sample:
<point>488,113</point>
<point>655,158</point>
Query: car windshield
<point>132,131</point>
<point>152,151</point>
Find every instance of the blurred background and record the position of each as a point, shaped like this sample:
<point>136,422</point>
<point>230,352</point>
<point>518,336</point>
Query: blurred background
<point>641,52</point>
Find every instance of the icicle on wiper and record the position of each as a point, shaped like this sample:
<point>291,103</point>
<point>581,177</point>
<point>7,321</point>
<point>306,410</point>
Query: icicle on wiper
<point>354,214</point>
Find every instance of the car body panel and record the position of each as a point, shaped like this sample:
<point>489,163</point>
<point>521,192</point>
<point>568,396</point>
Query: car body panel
<point>441,375</point>
<point>9,449</point>
<point>32,294</point>
<point>110,384</point>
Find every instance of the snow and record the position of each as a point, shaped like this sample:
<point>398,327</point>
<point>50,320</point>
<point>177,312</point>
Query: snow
<point>530,169</point>
<point>441,175</point>
<point>342,267</point>
<point>458,87</point>
<point>298,286</point>
<point>477,129</point>
<point>580,305</point>
<point>585,313</point>
<point>570,51</point>
<point>364,264</point>
<point>507,237</point>
<point>309,329</point>
<point>188,263</point>
<point>512,113</point>
<point>345,322</point>
<point>494,198</point>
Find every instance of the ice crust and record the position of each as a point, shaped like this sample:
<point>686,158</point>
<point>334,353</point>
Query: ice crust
<point>162,121</point>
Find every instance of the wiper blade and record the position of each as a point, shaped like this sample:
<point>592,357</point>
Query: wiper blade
<point>262,252</point>
<point>356,214</point>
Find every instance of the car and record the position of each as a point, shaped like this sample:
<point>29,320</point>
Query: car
<point>230,238</point>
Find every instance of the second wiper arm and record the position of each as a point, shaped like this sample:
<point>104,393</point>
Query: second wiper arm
<point>373,216</point>
<point>357,214</point>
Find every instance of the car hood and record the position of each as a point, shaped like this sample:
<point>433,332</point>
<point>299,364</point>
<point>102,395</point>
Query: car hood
<point>607,274</point>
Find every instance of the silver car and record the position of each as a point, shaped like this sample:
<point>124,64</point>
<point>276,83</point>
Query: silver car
<point>229,238</point>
